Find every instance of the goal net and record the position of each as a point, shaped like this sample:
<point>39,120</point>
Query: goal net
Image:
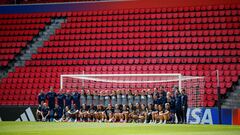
<point>193,85</point>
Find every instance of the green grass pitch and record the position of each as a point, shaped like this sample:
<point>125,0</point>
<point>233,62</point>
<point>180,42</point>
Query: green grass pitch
<point>46,128</point>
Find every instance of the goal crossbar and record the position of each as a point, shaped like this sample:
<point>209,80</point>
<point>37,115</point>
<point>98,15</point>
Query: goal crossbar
<point>90,77</point>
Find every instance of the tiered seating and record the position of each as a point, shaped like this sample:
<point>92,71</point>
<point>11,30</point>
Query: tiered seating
<point>193,41</point>
<point>16,32</point>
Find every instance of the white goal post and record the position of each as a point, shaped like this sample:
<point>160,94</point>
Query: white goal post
<point>194,85</point>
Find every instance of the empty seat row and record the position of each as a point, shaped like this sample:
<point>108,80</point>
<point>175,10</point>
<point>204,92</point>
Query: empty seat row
<point>148,29</point>
<point>178,24</point>
<point>222,13</point>
<point>124,45</point>
<point>3,63</point>
<point>22,27</point>
<point>16,33</point>
<point>206,67</point>
<point>119,61</point>
<point>15,38</point>
<point>9,50</point>
<point>26,21</point>
<point>98,37</point>
<point>136,54</point>
<point>169,34</point>
<point>13,44</point>
<point>6,57</point>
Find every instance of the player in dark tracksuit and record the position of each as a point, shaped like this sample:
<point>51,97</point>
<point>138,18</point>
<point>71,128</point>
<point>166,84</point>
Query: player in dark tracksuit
<point>162,99</point>
<point>178,106</point>
<point>156,100</point>
<point>58,113</point>
<point>68,100</point>
<point>60,99</point>
<point>76,99</point>
<point>51,95</point>
<point>184,105</point>
<point>171,100</point>
<point>41,97</point>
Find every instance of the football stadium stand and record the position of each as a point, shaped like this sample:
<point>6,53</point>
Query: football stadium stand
<point>36,48</point>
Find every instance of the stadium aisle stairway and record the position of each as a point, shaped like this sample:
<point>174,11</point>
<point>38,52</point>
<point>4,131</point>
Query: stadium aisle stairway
<point>193,41</point>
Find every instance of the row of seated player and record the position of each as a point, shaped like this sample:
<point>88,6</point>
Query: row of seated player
<point>159,25</point>
<point>22,27</point>
<point>113,45</point>
<point>25,21</point>
<point>179,15</point>
<point>130,35</point>
<point>125,61</point>
<point>19,32</point>
<point>147,29</point>
<point>200,67</point>
<point>131,54</point>
<point>13,44</point>
<point>15,38</point>
<point>138,40</point>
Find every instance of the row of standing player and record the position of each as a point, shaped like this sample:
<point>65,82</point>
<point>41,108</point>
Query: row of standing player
<point>148,99</point>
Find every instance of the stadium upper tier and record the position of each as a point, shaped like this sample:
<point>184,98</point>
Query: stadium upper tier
<point>193,41</point>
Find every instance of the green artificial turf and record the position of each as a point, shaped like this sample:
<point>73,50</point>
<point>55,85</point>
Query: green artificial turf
<point>46,128</point>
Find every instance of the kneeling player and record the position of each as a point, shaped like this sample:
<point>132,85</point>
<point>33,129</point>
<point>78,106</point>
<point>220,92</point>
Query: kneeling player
<point>166,113</point>
<point>131,112</point>
<point>136,113</point>
<point>83,113</point>
<point>160,115</point>
<point>117,114</point>
<point>109,113</point>
<point>73,113</point>
<point>149,113</point>
<point>154,113</point>
<point>39,114</point>
<point>58,113</point>
<point>143,114</point>
<point>66,115</point>
<point>91,112</point>
<point>125,113</point>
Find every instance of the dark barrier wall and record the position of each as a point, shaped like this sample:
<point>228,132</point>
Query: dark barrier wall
<point>101,5</point>
<point>18,113</point>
